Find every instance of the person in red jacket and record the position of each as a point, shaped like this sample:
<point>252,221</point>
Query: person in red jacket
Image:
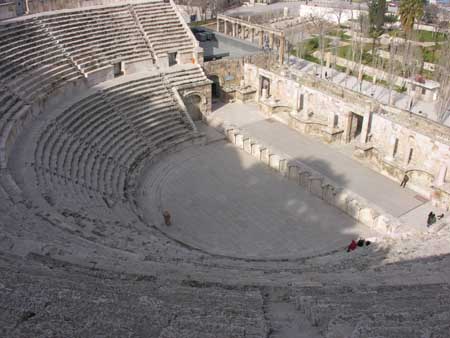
<point>352,246</point>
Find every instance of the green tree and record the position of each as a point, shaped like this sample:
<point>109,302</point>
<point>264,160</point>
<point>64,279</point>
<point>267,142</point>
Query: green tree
<point>410,11</point>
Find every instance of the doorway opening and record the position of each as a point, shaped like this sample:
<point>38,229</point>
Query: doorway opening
<point>356,126</point>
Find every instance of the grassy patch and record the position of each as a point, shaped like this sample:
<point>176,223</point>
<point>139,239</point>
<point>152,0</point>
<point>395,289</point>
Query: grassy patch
<point>427,36</point>
<point>400,89</point>
<point>341,34</point>
<point>312,58</point>
<point>367,78</point>
<point>421,35</point>
<point>383,83</point>
<point>340,68</point>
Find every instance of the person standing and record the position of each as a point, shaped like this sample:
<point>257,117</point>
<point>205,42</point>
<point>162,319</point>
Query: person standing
<point>431,219</point>
<point>167,218</point>
<point>404,181</point>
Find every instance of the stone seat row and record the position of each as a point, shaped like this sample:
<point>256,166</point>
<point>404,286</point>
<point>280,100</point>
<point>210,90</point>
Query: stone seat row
<point>398,312</point>
<point>13,115</point>
<point>185,76</point>
<point>94,44</point>
<point>35,69</point>
<point>95,143</point>
<point>66,299</point>
<point>163,28</point>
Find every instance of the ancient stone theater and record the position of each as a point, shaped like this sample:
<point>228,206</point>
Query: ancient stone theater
<point>161,181</point>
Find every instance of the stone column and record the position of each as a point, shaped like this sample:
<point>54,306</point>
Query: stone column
<point>270,40</point>
<point>365,127</point>
<point>347,126</point>
<point>281,51</point>
<point>225,27</point>
<point>218,25</point>
<point>242,32</point>
<point>234,26</point>
<point>261,39</point>
<point>440,178</point>
<point>331,120</point>
<point>252,34</point>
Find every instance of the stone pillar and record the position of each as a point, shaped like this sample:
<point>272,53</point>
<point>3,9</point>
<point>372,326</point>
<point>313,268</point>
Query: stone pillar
<point>331,119</point>
<point>252,35</point>
<point>225,27</point>
<point>440,178</point>
<point>365,127</point>
<point>261,39</point>
<point>285,12</point>
<point>270,40</point>
<point>347,126</point>
<point>234,26</point>
<point>218,25</point>
<point>264,93</point>
<point>242,32</point>
<point>281,51</point>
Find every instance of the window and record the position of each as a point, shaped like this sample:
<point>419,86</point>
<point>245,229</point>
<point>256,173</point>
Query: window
<point>395,148</point>
<point>410,156</point>
<point>302,98</point>
<point>172,59</point>
<point>336,121</point>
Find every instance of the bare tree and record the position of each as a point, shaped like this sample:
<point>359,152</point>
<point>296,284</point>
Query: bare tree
<point>338,13</point>
<point>393,49</point>
<point>320,27</point>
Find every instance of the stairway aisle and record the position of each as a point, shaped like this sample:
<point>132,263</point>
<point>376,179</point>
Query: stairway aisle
<point>285,321</point>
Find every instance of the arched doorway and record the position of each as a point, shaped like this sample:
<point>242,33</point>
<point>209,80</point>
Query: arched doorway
<point>193,104</point>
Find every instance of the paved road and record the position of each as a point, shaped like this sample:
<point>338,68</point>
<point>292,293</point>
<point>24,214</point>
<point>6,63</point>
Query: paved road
<point>332,163</point>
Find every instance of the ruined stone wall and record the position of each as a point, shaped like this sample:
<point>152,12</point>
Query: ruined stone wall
<point>230,71</point>
<point>7,10</point>
<point>427,153</point>
<point>317,105</point>
<point>422,146</point>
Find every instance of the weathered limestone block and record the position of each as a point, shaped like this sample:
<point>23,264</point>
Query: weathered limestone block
<point>381,223</point>
<point>368,216</point>
<point>315,185</point>
<point>248,145</point>
<point>230,134</point>
<point>256,150</point>
<point>341,200</point>
<point>328,193</point>
<point>303,178</point>
<point>284,167</point>
<point>353,208</point>
<point>394,226</point>
<point>293,173</point>
<point>274,162</point>
<point>239,140</point>
<point>264,155</point>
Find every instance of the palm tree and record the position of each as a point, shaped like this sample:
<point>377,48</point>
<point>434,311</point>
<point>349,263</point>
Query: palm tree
<point>410,11</point>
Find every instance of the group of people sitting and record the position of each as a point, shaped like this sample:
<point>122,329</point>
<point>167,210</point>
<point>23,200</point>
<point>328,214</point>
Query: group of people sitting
<point>355,244</point>
<point>432,218</point>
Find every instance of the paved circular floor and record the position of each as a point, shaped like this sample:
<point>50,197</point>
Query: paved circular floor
<point>225,202</point>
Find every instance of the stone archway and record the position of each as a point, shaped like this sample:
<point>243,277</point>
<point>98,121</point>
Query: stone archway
<point>195,105</point>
